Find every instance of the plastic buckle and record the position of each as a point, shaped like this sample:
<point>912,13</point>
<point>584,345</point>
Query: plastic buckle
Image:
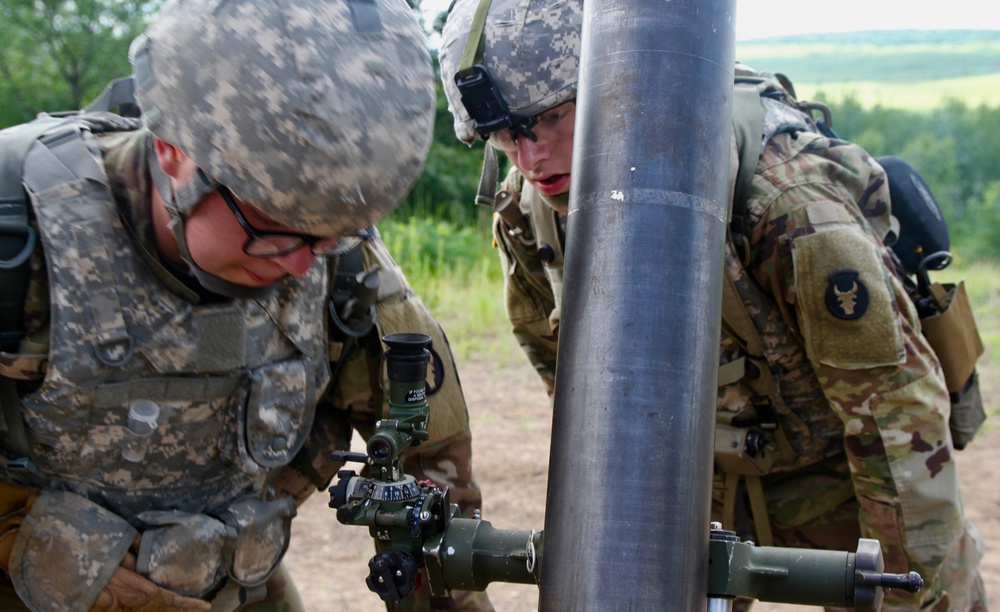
<point>26,467</point>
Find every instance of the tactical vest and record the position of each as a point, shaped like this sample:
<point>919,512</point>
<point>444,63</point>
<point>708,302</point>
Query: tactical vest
<point>155,414</point>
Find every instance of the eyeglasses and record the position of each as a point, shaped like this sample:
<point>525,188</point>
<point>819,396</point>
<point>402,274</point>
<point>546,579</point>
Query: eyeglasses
<point>552,125</point>
<point>275,244</point>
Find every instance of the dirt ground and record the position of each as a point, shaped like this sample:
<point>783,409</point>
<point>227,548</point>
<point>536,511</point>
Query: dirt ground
<point>510,418</point>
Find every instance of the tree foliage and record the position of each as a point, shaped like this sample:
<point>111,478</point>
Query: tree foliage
<point>955,149</point>
<point>59,54</point>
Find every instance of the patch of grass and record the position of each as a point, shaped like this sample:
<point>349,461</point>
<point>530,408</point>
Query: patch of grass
<point>456,272</point>
<point>919,96</point>
<point>911,70</point>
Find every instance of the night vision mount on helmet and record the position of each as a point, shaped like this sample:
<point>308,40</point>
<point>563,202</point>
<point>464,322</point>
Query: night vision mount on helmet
<point>485,55</point>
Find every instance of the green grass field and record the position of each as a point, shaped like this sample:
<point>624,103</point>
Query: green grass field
<point>910,70</point>
<point>920,96</point>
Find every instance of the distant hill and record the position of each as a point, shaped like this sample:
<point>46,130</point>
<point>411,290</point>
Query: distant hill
<point>886,66</point>
<point>890,55</point>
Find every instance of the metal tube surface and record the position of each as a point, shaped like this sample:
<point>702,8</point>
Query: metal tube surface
<point>627,510</point>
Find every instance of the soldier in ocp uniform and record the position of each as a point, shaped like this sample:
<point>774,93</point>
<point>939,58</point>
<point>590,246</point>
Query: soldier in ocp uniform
<point>824,374</point>
<point>202,324</point>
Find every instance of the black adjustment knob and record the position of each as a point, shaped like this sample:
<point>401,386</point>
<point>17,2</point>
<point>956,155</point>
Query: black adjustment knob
<point>392,575</point>
<point>339,492</point>
<point>754,444</point>
<point>546,253</point>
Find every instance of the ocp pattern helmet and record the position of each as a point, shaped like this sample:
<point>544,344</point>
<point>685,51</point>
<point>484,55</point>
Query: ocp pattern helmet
<point>531,49</point>
<point>317,112</point>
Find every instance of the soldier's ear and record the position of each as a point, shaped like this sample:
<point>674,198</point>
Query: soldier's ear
<point>172,160</point>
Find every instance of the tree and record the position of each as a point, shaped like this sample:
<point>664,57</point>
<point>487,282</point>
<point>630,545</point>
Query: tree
<point>59,54</point>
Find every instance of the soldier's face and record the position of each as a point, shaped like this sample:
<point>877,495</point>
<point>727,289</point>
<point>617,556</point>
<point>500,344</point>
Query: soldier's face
<point>547,161</point>
<point>215,240</point>
<point>215,237</point>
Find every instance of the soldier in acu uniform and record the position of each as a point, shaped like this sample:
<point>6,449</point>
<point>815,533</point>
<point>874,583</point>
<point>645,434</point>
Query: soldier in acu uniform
<point>834,398</point>
<point>205,308</point>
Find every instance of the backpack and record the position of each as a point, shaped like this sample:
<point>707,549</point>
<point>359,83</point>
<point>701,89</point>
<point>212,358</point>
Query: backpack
<point>918,240</point>
<point>18,238</point>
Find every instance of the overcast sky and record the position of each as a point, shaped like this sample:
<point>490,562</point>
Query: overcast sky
<point>762,18</point>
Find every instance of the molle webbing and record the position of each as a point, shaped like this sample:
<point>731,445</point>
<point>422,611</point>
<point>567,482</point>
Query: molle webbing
<point>60,158</point>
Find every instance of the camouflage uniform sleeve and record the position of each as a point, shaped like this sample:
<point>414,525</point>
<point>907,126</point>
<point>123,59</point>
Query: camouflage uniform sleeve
<point>814,249</point>
<point>528,301</point>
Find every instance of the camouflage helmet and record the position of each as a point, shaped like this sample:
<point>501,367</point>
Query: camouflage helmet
<point>530,48</point>
<point>317,112</point>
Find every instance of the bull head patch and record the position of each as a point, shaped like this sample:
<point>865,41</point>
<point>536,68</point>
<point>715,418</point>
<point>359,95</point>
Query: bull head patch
<point>846,296</point>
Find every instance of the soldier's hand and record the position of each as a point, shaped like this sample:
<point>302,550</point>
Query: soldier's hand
<point>15,501</point>
<point>129,591</point>
<point>126,591</point>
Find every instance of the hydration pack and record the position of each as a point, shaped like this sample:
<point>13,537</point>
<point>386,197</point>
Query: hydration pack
<point>764,104</point>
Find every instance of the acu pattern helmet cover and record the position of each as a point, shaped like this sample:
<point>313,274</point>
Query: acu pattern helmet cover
<point>317,112</point>
<point>531,48</point>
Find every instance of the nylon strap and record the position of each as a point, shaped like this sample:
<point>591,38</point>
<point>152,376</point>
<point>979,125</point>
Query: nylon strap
<point>748,129</point>
<point>729,502</point>
<point>486,193</point>
<point>473,52</point>
<point>17,237</point>
<point>65,157</point>
<point>732,372</point>
<point>758,507</point>
<point>736,318</point>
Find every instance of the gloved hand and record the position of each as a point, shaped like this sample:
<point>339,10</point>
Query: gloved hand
<point>15,501</point>
<point>128,591</point>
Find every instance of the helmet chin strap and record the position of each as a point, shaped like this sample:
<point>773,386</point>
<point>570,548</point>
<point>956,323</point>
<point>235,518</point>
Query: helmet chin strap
<point>184,199</point>
<point>219,285</point>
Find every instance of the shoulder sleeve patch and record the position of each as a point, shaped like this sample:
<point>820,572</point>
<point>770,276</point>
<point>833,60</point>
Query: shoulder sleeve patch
<point>846,295</point>
<point>846,309</point>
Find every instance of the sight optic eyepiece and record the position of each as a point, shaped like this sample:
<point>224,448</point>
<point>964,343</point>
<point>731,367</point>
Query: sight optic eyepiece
<point>407,357</point>
<point>406,362</point>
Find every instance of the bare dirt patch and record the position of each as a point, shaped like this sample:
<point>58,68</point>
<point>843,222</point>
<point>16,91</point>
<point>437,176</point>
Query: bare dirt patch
<point>511,417</point>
